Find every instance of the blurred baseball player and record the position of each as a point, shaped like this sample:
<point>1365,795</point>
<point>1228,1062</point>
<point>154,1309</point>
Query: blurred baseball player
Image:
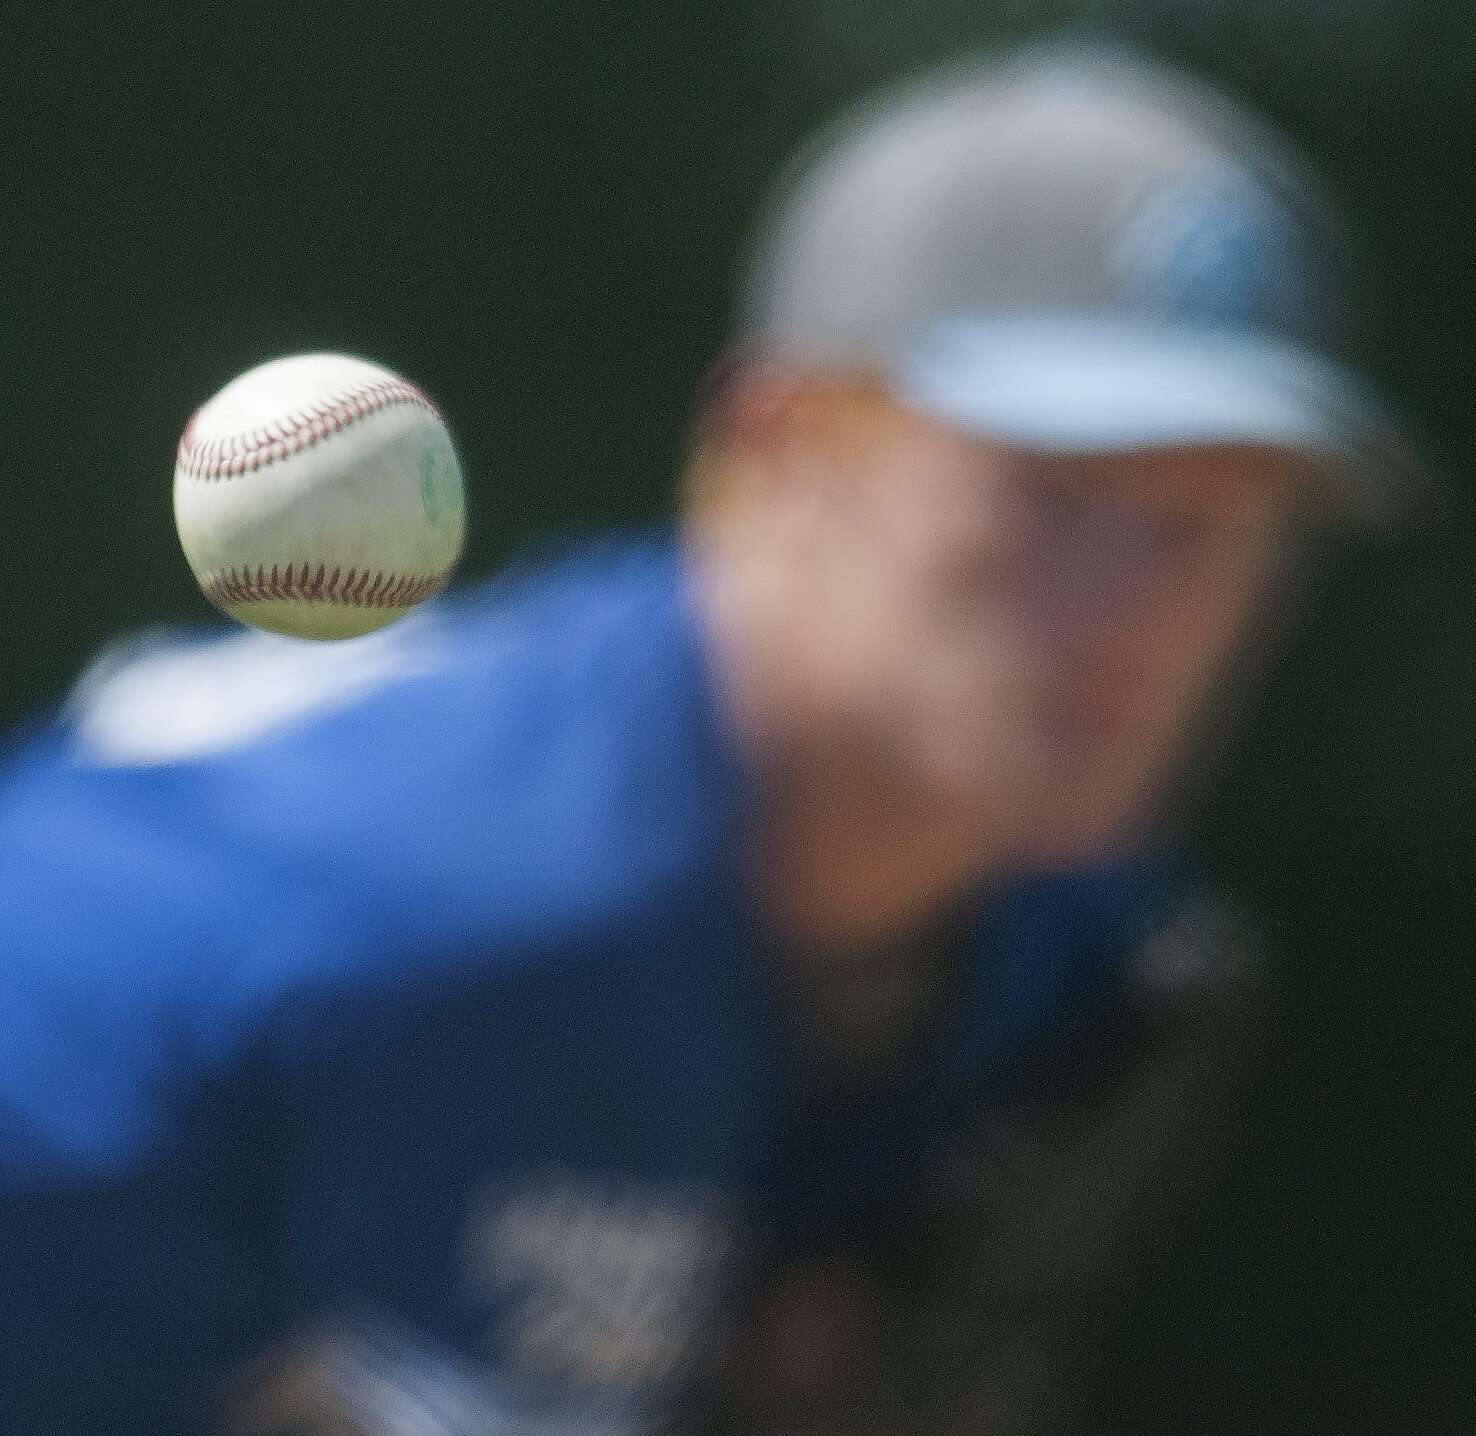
<point>447,1030</point>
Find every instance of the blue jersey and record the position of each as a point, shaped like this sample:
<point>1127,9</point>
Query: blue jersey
<point>409,986</point>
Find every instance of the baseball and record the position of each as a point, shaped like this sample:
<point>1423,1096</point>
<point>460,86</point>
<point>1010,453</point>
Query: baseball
<point>318,496</point>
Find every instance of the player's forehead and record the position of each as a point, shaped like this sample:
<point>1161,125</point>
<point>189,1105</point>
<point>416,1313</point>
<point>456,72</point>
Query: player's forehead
<point>1209,479</point>
<point>1226,481</point>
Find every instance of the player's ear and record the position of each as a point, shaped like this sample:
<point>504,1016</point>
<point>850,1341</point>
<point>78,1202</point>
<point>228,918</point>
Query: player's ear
<point>760,405</point>
<point>749,403</point>
<point>748,435</point>
<point>770,430</point>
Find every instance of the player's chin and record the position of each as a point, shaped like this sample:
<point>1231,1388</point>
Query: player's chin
<point>1067,846</point>
<point>1082,817</point>
<point>1045,802</point>
<point>992,767</point>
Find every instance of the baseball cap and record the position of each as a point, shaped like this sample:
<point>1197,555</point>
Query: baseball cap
<point>1079,250</point>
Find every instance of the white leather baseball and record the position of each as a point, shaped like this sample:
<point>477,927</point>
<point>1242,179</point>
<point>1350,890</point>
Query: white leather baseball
<point>318,496</point>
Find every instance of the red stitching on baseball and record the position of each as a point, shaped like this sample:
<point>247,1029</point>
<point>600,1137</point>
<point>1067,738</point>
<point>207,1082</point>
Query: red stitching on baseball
<point>231,587</point>
<point>232,454</point>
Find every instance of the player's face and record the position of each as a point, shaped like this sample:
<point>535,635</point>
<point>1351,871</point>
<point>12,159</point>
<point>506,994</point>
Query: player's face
<point>1042,634</point>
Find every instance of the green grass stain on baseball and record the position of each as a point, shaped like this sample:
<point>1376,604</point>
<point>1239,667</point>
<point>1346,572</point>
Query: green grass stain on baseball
<point>440,484</point>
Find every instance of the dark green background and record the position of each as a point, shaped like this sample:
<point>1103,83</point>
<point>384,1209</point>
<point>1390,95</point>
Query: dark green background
<point>535,213</point>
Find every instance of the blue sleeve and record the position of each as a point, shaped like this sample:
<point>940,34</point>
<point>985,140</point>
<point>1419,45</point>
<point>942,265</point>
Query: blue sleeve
<point>210,831</point>
<point>126,1296</point>
<point>132,1264</point>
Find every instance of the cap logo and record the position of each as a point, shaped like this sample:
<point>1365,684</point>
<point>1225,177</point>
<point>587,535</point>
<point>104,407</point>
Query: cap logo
<point>1224,251</point>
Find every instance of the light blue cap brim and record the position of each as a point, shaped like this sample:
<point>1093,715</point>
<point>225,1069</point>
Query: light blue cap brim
<point>1099,384</point>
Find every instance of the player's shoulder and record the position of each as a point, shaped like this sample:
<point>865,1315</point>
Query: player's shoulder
<point>534,752</point>
<point>218,827</point>
<point>173,698</point>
